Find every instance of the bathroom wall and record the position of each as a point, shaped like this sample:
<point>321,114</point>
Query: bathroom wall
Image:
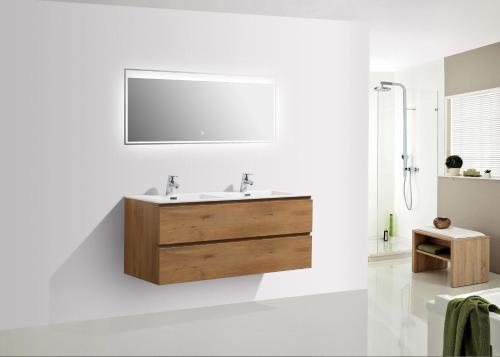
<point>67,170</point>
<point>425,85</point>
<point>469,71</point>
<point>469,202</point>
<point>473,70</point>
<point>473,204</point>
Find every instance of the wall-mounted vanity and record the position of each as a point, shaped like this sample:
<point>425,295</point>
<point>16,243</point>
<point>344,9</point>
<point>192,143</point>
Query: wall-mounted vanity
<point>199,236</point>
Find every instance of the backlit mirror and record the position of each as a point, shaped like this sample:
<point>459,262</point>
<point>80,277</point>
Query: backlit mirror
<point>175,107</point>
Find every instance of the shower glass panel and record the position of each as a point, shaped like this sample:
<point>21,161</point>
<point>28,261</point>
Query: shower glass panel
<point>387,181</point>
<point>387,155</point>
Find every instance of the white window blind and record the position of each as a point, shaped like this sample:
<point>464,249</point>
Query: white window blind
<point>475,130</point>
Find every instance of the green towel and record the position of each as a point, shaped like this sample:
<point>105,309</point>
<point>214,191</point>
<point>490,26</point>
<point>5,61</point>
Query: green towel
<point>467,327</point>
<point>433,248</point>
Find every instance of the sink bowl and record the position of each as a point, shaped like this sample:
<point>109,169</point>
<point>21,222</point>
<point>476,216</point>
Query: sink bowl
<point>178,197</point>
<point>256,194</point>
<point>190,197</point>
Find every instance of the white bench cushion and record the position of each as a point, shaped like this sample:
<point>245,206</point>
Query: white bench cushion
<point>452,232</point>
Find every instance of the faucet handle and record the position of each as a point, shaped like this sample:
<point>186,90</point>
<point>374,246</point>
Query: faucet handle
<point>246,174</point>
<point>171,178</point>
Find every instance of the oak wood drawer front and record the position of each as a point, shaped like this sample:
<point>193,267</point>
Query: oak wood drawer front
<point>231,220</point>
<point>234,258</point>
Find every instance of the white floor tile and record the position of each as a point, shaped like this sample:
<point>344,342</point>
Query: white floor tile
<point>389,319</point>
<point>397,317</point>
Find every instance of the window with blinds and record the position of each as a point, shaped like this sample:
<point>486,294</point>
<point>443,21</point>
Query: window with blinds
<point>475,130</point>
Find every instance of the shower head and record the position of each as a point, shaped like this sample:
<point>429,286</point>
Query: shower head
<point>382,87</point>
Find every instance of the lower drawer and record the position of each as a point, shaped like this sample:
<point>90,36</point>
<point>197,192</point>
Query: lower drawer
<point>233,258</point>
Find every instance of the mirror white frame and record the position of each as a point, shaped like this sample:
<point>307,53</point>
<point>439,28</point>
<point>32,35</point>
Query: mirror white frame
<point>194,76</point>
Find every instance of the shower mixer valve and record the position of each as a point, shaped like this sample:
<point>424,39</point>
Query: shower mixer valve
<point>410,168</point>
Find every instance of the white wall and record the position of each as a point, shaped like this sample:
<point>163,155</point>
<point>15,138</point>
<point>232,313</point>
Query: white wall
<point>425,85</point>
<point>62,104</point>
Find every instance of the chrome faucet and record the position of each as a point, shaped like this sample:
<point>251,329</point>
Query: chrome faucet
<point>245,182</point>
<point>171,185</point>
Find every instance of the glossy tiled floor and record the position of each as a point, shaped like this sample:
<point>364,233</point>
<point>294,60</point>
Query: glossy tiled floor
<point>388,320</point>
<point>396,306</point>
<point>378,249</point>
<point>327,324</point>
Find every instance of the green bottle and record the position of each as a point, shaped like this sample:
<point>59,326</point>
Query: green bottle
<point>391,225</point>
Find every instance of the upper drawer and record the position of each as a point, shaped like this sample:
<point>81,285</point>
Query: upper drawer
<point>230,220</point>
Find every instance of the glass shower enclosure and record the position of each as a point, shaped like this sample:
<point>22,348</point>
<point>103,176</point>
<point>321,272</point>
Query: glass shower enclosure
<point>390,219</point>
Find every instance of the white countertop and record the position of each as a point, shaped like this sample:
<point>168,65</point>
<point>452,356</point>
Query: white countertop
<point>215,196</point>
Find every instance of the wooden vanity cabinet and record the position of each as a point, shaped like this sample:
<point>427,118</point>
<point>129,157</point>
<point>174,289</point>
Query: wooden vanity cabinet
<point>181,242</point>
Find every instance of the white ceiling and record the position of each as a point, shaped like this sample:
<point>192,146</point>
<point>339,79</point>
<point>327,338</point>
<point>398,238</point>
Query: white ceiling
<point>403,33</point>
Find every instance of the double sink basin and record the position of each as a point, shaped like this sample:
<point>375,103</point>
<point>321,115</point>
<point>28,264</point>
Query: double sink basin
<point>215,196</point>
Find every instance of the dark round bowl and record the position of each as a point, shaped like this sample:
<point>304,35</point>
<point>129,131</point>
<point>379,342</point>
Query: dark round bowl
<point>441,222</point>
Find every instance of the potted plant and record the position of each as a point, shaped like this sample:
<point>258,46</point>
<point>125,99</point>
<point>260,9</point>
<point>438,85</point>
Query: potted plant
<point>454,163</point>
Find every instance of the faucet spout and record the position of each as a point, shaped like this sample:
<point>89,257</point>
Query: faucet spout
<point>171,185</point>
<point>245,182</point>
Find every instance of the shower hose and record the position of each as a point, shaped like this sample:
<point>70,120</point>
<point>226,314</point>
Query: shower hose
<point>408,202</point>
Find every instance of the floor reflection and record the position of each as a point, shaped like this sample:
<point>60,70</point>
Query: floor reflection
<point>397,316</point>
<point>388,319</point>
<point>316,325</point>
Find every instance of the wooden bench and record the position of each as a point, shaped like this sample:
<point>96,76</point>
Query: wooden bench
<point>469,255</point>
